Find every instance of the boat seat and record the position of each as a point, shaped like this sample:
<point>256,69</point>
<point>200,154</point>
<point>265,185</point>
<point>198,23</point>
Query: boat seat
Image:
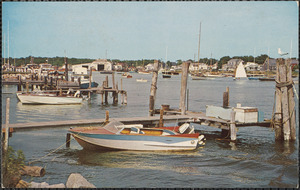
<point>134,130</point>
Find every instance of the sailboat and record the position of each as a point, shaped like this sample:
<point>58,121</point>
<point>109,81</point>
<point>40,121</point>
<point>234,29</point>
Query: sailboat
<point>166,73</point>
<point>240,72</point>
<point>198,75</point>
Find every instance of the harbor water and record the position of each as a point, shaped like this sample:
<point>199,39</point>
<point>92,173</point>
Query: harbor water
<point>255,160</point>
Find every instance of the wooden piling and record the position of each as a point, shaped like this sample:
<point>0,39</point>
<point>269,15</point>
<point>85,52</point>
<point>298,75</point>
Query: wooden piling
<point>106,116</point>
<point>153,89</point>
<point>125,97</point>
<point>106,97</point>
<point>292,111</point>
<point>284,103</point>
<point>232,128</point>
<point>278,116</point>
<point>184,75</point>
<point>226,98</point>
<point>113,80</point>
<point>161,118</point>
<point>6,125</point>
<point>68,140</point>
<point>285,117</point>
<point>20,83</point>
<point>90,77</point>
<point>106,79</point>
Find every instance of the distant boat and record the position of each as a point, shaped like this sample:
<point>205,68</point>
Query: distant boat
<point>49,98</point>
<point>240,72</point>
<point>267,79</point>
<point>141,80</point>
<point>144,72</point>
<point>198,76</point>
<point>116,136</point>
<point>166,74</point>
<point>253,78</point>
<point>126,75</point>
<point>106,72</point>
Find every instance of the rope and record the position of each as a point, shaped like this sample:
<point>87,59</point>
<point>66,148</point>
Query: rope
<point>284,84</point>
<point>49,153</point>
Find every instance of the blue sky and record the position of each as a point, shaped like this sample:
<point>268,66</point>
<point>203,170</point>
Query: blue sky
<point>143,30</point>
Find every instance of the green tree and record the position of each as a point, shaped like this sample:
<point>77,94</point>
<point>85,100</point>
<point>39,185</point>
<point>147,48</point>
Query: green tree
<point>223,61</point>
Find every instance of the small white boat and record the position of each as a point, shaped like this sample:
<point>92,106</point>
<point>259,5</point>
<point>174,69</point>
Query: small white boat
<point>240,72</point>
<point>141,80</point>
<point>116,136</point>
<point>49,98</point>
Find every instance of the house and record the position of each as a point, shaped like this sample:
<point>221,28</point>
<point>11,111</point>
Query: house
<point>149,67</point>
<point>232,64</point>
<point>251,66</point>
<point>272,64</point>
<point>102,65</point>
<point>197,66</point>
<point>98,65</point>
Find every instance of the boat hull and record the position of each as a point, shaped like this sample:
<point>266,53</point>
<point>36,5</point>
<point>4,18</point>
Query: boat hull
<point>86,85</point>
<point>135,142</point>
<point>47,99</point>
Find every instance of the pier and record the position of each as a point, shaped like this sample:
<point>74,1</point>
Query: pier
<point>58,84</point>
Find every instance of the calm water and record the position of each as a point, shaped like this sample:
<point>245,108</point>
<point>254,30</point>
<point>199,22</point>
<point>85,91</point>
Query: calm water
<point>254,161</point>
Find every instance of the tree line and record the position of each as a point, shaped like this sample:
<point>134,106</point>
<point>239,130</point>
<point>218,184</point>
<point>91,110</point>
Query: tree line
<point>59,61</point>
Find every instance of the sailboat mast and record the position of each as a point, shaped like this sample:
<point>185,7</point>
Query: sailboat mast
<point>4,49</point>
<point>199,44</point>
<point>8,43</point>
<point>166,56</point>
<point>291,50</point>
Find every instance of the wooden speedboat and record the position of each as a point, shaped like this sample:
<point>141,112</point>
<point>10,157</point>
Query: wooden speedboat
<point>116,136</point>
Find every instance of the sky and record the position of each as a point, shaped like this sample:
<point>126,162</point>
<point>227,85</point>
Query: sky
<point>149,30</point>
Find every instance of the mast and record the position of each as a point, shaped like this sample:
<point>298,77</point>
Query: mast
<point>8,44</point>
<point>199,44</point>
<point>166,57</point>
<point>4,49</point>
<point>291,50</point>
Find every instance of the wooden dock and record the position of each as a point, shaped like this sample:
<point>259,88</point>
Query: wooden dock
<point>198,118</point>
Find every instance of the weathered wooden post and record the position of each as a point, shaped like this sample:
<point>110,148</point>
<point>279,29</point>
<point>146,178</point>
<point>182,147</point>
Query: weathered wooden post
<point>113,80</point>
<point>232,127</point>
<point>125,97</point>
<point>292,109</point>
<point>90,77</point>
<point>285,116</point>
<point>184,75</point>
<point>68,140</point>
<point>106,116</point>
<point>122,94</point>
<point>226,98</point>
<point>106,79</point>
<point>6,126</point>
<point>278,113</point>
<point>20,83</point>
<point>153,88</point>
<point>161,118</point>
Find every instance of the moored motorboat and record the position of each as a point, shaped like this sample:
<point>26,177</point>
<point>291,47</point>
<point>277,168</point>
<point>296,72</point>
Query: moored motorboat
<point>141,80</point>
<point>116,136</point>
<point>49,98</point>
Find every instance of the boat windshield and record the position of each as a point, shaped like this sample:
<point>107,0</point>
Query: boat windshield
<point>114,127</point>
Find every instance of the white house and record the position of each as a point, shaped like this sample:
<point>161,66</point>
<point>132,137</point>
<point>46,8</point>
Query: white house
<point>250,66</point>
<point>197,67</point>
<point>149,67</point>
